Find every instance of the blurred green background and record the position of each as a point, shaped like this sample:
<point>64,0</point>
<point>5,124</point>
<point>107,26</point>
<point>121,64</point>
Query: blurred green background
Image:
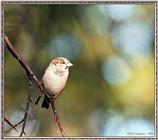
<point>110,91</point>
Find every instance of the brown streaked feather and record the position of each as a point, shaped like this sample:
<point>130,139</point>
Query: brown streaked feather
<point>54,62</point>
<point>57,60</point>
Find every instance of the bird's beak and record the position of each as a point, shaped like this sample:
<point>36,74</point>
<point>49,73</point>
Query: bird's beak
<point>69,64</point>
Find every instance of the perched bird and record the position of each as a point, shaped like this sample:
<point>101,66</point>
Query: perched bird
<point>55,77</point>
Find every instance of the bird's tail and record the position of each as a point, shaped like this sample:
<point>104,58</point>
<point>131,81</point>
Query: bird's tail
<point>46,102</point>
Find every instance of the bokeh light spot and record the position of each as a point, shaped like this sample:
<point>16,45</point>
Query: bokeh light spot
<point>122,126</point>
<point>64,45</point>
<point>116,71</point>
<point>134,38</point>
<point>120,12</point>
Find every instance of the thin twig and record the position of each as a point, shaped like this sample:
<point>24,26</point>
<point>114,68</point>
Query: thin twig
<point>57,95</point>
<point>14,126</point>
<point>38,99</point>
<point>57,119</point>
<point>39,96</point>
<point>6,120</point>
<point>27,106</point>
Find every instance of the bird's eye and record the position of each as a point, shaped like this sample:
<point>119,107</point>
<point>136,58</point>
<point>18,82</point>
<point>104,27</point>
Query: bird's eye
<point>63,62</point>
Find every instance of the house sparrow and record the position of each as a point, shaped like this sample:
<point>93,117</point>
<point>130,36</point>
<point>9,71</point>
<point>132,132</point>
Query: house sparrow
<point>55,78</point>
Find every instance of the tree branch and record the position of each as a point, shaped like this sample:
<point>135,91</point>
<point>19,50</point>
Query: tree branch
<point>31,75</point>
<point>14,126</point>
<point>6,120</point>
<point>24,65</point>
<point>27,106</point>
<point>57,119</point>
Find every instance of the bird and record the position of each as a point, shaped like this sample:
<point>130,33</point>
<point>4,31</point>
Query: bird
<point>55,78</point>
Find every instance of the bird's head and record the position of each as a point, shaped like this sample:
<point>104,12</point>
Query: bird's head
<point>61,64</point>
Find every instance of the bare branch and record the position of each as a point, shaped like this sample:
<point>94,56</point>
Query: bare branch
<point>27,107</point>
<point>31,75</point>
<point>6,120</point>
<point>24,65</point>
<point>14,126</point>
<point>57,119</point>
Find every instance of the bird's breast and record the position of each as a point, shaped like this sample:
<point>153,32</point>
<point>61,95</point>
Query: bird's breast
<point>54,83</point>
